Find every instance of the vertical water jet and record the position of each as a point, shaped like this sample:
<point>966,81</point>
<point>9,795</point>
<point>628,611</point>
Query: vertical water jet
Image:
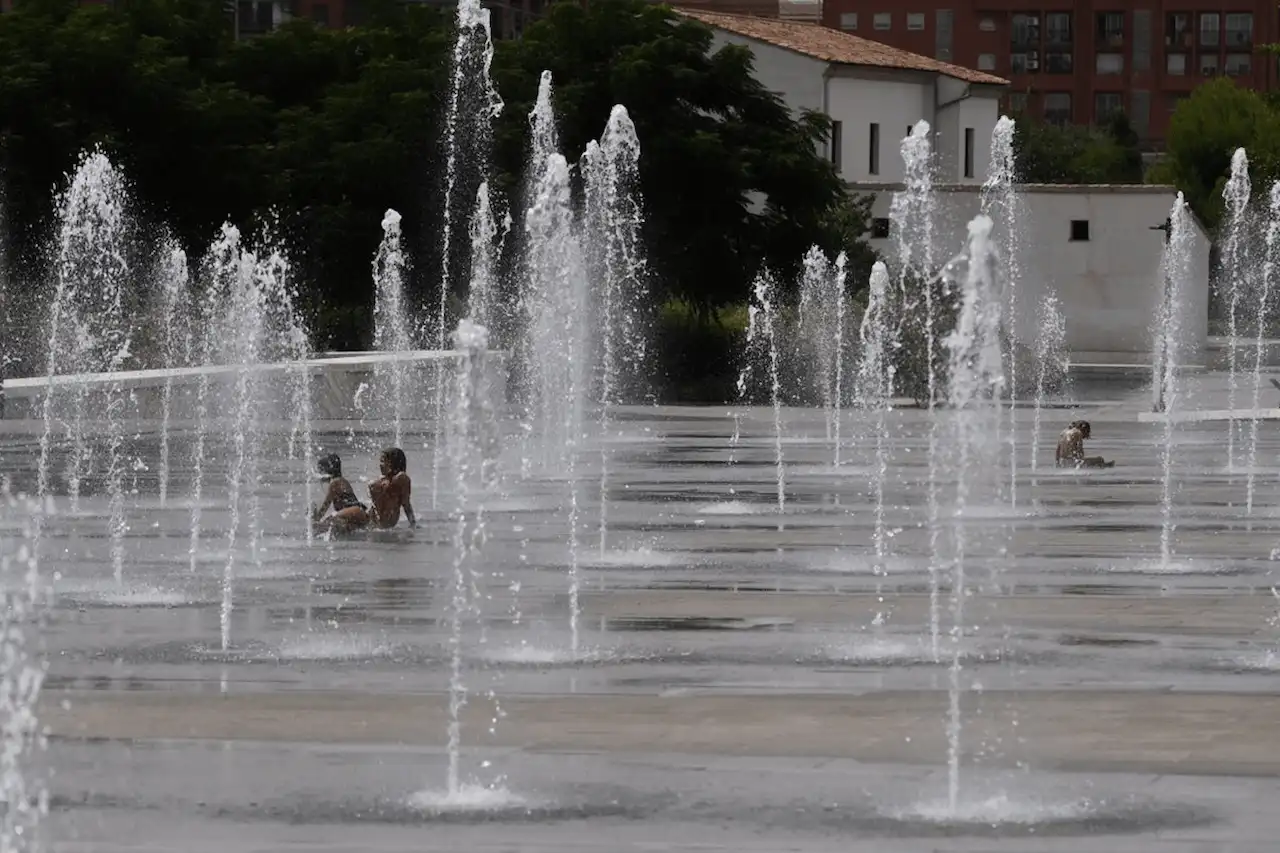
<point>976,382</point>
<point>613,234</point>
<point>998,190</point>
<point>175,344</point>
<point>391,324</point>
<point>1176,270</point>
<point>1052,365</point>
<point>1235,259</point>
<point>874,396</point>
<point>1265,288</point>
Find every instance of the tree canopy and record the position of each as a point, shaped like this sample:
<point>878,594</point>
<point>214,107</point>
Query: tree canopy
<point>1205,132</point>
<point>1049,154</point>
<point>329,128</point>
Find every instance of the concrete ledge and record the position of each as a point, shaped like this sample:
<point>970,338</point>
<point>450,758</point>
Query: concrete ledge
<point>1211,415</point>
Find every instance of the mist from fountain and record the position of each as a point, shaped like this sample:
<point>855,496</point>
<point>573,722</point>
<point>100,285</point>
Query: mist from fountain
<point>1235,257</point>
<point>473,105</point>
<point>912,216</point>
<point>1267,275</point>
<point>1053,365</point>
<point>976,382</point>
<point>874,397</point>
<point>23,793</point>
<point>1177,272</point>
<point>822,319</point>
<point>175,341</point>
<point>250,319</point>
<point>998,191</point>
<point>614,222</point>
<point>488,234</point>
<point>89,333</point>
<point>392,324</point>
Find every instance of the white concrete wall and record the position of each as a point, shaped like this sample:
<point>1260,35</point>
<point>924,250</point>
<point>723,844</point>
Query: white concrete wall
<point>1109,287</point>
<point>893,100</point>
<point>797,78</point>
<point>892,104</point>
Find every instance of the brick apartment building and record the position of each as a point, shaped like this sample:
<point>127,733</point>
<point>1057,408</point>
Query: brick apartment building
<point>1078,60</point>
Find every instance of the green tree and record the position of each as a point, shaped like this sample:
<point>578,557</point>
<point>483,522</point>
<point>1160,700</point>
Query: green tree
<point>732,181</point>
<point>1070,154</point>
<point>1205,132</point>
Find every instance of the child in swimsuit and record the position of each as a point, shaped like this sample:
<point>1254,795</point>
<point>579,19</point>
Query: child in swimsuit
<point>348,512</point>
<point>391,492</point>
<point>1070,450</point>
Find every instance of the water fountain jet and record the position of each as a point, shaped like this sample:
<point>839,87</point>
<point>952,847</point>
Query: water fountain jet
<point>1268,273</point>
<point>1235,258</point>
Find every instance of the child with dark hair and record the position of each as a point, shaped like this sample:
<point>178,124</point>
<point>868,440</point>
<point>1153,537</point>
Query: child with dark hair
<point>348,512</point>
<point>391,492</point>
<point>1070,450</point>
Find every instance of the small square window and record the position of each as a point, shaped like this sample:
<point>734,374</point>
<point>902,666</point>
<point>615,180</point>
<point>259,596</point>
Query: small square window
<point>1175,64</point>
<point>882,20</point>
<point>1109,63</point>
<point>915,20</point>
<point>1079,230</point>
<point>986,62</point>
<point>987,25</point>
<point>848,20</point>
<point>879,229</point>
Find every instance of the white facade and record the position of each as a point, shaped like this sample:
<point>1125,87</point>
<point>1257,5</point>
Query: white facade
<point>874,108</point>
<point>1108,281</point>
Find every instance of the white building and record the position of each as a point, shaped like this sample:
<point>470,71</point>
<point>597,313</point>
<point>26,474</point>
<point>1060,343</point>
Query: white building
<point>1097,248</point>
<point>873,93</point>
<point>1092,246</point>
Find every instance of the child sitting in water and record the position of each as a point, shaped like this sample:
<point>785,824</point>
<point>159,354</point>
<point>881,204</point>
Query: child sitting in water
<point>391,492</point>
<point>1070,450</point>
<point>348,512</point>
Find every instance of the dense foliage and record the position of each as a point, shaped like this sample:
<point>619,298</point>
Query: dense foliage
<point>329,128</point>
<point>1049,154</point>
<point>1204,133</point>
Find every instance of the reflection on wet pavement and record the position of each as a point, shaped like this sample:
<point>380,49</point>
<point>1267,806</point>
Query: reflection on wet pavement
<point>703,591</point>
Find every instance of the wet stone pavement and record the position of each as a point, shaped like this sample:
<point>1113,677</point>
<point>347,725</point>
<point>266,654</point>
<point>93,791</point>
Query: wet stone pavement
<point>731,689</point>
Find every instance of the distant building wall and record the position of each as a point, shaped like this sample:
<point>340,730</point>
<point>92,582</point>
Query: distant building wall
<point>1108,280</point>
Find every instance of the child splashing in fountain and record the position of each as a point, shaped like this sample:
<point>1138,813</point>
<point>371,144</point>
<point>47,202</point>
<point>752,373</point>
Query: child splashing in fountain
<point>391,492</point>
<point>349,514</point>
<point>1070,450</point>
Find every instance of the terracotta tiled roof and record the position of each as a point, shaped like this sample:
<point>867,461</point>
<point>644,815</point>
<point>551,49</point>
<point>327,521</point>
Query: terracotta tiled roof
<point>833,46</point>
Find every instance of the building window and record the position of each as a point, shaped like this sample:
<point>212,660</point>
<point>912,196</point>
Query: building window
<point>848,20</point>
<point>1105,104</point>
<point>1209,64</point>
<point>968,152</point>
<point>873,154</point>
<point>882,20</point>
<point>1210,29</point>
<point>1175,64</point>
<point>837,139</point>
<point>320,13</point>
<point>986,62</point>
<point>1018,103</point>
<point>1025,63</point>
<point>944,22</point>
<point>1079,230</point>
<point>880,228</point>
<point>1025,32</point>
<point>915,20</point>
<point>1239,30</point>
<point>1177,30</point>
<point>1058,62</point>
<point>1057,29</point>
<point>1110,30</point>
<point>1239,64</point>
<point>987,25</point>
<point>1109,63</point>
<point>1057,108</point>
